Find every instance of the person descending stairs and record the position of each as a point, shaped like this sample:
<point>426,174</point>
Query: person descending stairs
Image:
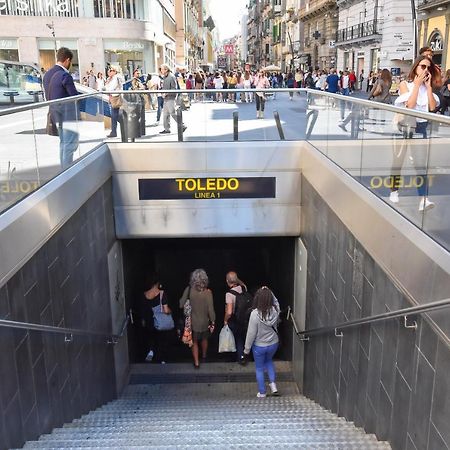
<point>175,407</point>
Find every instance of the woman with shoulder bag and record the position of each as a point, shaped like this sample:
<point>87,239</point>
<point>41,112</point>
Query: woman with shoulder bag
<point>262,338</point>
<point>114,83</point>
<point>157,317</point>
<point>200,312</point>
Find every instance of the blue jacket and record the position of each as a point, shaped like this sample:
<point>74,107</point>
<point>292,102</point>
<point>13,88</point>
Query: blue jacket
<point>59,84</point>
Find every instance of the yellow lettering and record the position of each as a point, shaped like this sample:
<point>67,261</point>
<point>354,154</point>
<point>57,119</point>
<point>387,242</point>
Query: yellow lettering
<point>210,184</point>
<point>190,184</point>
<point>233,184</point>
<point>221,184</point>
<point>180,183</point>
<point>419,181</point>
<point>376,182</point>
<point>24,187</point>
<point>199,185</point>
<point>5,188</point>
<point>430,180</point>
<point>388,182</point>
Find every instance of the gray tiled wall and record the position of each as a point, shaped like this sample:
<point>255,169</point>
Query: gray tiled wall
<point>45,381</point>
<point>390,380</point>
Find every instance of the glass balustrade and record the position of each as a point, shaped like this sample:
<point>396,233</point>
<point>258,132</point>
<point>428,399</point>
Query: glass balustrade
<point>403,161</point>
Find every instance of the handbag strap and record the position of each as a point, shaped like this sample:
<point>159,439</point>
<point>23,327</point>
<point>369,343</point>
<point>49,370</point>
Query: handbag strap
<point>161,293</point>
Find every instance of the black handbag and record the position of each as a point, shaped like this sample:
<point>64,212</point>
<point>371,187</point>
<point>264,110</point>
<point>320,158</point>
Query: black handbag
<point>51,128</point>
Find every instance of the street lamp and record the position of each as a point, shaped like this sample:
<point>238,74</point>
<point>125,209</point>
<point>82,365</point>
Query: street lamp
<point>51,26</point>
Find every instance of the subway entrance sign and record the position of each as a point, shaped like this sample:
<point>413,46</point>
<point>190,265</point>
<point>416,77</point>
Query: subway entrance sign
<point>206,188</point>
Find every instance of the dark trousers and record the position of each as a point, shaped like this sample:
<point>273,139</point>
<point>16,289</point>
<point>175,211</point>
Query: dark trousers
<point>239,338</point>
<point>260,102</point>
<point>114,119</point>
<point>160,107</point>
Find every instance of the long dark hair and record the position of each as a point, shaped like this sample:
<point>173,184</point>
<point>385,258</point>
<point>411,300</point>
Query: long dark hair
<point>386,76</point>
<point>263,301</point>
<point>433,69</point>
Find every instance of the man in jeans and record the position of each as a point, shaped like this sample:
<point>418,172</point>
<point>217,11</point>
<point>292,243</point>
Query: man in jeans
<point>58,83</point>
<point>169,83</point>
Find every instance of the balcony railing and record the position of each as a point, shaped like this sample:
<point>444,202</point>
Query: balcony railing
<point>361,30</point>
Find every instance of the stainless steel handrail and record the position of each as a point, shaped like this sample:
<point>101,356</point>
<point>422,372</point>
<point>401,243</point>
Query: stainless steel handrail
<point>371,319</point>
<point>110,338</point>
<point>381,106</point>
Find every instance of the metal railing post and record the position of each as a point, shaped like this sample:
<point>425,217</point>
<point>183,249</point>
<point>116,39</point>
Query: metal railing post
<point>180,124</point>
<point>279,127</point>
<point>235,125</point>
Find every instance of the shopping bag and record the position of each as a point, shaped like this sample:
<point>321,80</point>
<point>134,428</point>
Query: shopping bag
<point>226,340</point>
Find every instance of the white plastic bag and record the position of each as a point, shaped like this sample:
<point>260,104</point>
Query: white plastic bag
<point>226,340</point>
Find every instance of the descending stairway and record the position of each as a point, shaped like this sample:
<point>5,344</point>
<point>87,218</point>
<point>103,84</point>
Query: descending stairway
<point>188,409</point>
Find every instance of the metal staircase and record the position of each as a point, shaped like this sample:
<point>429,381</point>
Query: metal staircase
<point>208,414</point>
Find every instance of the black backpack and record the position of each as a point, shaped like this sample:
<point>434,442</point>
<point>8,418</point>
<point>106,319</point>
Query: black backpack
<point>242,307</point>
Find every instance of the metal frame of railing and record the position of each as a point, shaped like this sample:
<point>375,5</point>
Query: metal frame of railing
<point>68,332</point>
<point>337,329</point>
<point>312,92</point>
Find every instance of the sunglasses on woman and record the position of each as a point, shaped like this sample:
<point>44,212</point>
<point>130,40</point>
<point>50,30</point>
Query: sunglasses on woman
<point>424,66</point>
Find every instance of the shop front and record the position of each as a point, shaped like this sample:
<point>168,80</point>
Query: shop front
<point>130,55</point>
<point>48,49</point>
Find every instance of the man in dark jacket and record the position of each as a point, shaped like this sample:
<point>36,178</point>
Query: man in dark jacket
<point>58,83</point>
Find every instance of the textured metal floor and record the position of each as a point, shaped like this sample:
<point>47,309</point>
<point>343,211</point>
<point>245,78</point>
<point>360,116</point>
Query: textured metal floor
<point>183,412</point>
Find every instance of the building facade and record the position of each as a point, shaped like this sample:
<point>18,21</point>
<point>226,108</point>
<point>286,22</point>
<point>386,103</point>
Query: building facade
<point>373,35</point>
<point>434,26</point>
<point>320,20</point>
<point>129,33</point>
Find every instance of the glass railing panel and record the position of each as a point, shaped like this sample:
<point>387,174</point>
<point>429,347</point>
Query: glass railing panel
<point>436,217</point>
<point>19,172</point>
<point>319,111</point>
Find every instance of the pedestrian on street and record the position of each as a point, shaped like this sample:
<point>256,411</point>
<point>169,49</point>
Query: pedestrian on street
<point>169,83</point>
<point>114,83</point>
<point>261,82</point>
<point>262,338</point>
<point>58,83</point>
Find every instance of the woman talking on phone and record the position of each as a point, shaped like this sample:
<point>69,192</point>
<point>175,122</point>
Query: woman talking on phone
<point>416,93</point>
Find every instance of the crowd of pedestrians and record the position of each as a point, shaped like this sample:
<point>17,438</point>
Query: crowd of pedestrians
<point>253,321</point>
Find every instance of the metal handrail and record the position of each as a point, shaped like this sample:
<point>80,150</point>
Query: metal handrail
<point>371,319</point>
<point>68,332</point>
<point>381,106</point>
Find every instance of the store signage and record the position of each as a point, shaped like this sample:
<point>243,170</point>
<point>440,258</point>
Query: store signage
<point>43,6</point>
<point>436,43</point>
<point>133,46</point>
<point>206,188</point>
<point>8,44</point>
<point>228,49</point>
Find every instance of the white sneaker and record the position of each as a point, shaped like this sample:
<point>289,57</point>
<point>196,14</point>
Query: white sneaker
<point>149,356</point>
<point>273,388</point>
<point>262,115</point>
<point>393,197</point>
<point>259,395</point>
<point>425,204</point>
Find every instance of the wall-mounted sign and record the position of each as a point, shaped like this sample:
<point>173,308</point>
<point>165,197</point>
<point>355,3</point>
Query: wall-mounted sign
<point>228,49</point>
<point>436,42</point>
<point>36,7</point>
<point>206,188</point>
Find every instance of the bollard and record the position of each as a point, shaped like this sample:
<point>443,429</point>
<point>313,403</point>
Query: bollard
<point>235,126</point>
<point>279,127</point>
<point>180,124</point>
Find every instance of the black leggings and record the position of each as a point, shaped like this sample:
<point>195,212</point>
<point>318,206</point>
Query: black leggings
<point>260,102</point>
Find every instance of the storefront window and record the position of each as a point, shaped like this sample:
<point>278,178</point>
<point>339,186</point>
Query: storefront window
<point>47,60</point>
<point>122,9</point>
<point>375,59</point>
<point>127,60</point>
<point>9,55</point>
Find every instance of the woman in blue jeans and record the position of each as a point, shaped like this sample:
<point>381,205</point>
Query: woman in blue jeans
<point>262,338</point>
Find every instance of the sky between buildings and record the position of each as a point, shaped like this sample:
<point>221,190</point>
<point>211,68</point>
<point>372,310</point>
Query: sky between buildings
<point>227,15</point>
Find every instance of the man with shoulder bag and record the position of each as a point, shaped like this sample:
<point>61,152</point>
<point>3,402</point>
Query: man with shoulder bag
<point>62,118</point>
